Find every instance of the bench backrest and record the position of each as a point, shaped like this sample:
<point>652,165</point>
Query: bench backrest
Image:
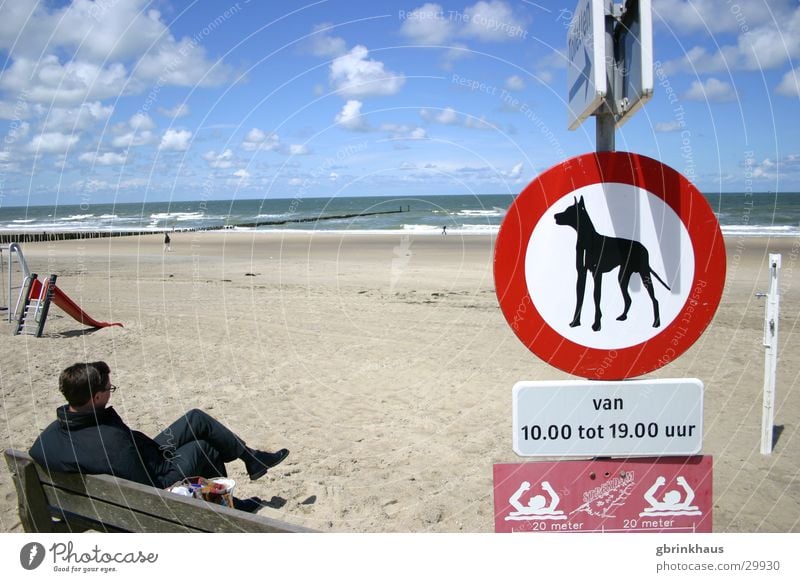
<point>62,502</point>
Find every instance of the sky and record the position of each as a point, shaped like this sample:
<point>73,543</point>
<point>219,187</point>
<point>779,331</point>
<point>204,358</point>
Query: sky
<point>131,101</point>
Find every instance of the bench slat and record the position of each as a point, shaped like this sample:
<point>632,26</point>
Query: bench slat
<point>104,516</point>
<point>127,506</point>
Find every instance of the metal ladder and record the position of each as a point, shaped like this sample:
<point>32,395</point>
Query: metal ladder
<point>33,312</point>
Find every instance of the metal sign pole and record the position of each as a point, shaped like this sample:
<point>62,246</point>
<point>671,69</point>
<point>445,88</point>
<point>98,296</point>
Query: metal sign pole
<point>771,313</point>
<point>605,123</point>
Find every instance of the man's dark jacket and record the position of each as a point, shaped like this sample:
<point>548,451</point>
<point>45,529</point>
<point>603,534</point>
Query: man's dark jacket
<point>99,442</point>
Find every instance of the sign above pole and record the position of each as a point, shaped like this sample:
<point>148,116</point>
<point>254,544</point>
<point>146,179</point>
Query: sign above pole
<point>586,52</point>
<point>610,60</point>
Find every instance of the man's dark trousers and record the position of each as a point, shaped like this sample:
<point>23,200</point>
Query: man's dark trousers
<point>197,445</point>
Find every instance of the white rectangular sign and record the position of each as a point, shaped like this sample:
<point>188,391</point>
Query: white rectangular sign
<point>584,418</point>
<point>636,54</point>
<point>586,55</point>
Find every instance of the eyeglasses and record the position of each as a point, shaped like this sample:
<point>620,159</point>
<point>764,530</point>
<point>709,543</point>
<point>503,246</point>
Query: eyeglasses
<point>112,389</point>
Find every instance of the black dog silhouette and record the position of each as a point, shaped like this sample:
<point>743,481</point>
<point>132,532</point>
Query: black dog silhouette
<point>600,254</point>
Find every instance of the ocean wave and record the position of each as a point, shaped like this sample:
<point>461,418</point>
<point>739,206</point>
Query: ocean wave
<point>481,213</point>
<point>77,217</point>
<point>26,221</point>
<point>755,230</point>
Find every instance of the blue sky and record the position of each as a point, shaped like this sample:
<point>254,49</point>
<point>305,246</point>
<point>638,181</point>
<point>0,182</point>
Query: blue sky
<point>129,100</point>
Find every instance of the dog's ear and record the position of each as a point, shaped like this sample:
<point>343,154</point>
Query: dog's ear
<point>581,203</point>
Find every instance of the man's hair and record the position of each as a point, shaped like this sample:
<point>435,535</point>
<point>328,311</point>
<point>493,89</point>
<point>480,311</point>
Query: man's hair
<point>80,382</point>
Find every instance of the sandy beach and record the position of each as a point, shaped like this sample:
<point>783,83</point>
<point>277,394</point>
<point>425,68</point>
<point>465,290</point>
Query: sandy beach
<point>382,361</point>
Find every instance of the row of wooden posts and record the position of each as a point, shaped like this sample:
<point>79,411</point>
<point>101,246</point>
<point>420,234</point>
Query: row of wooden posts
<point>28,237</point>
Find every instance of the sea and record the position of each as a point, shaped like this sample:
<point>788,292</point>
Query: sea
<point>740,214</point>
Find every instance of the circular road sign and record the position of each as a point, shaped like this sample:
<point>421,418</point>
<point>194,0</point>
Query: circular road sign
<point>609,265</point>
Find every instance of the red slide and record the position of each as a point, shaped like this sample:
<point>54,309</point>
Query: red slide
<point>69,307</point>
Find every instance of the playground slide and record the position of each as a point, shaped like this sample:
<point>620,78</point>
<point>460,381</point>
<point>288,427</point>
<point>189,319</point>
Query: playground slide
<point>71,308</point>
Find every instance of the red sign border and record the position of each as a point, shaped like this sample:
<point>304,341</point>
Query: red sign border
<point>609,167</point>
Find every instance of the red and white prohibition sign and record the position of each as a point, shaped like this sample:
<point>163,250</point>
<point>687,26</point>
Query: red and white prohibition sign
<point>609,265</point>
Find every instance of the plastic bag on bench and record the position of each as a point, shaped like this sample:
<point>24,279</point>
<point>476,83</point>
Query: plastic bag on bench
<point>218,490</point>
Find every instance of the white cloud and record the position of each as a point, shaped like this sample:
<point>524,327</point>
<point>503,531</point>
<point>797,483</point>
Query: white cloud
<point>18,133</point>
<point>15,111</point>
<point>175,140</point>
<point>137,131</point>
<point>134,139</point>
<point>141,122</point>
<point>668,126</point>
<point>492,21</point>
<point>766,38</point>
<point>182,63</point>
<point>350,117</point>
<point>790,84</point>
<point>104,159</point>
<point>323,44</point>
<point>222,161</point>
<point>427,25</point>
<point>116,48</point>
<point>52,143</point>
<point>446,116</point>
<point>515,83</point>
<point>180,110</point>
<point>354,75</point>
<point>712,16</point>
<point>47,80</point>
<point>298,149</point>
<point>256,140</point>
<point>712,90</point>
<point>449,116</point>
<point>242,174</point>
<point>514,173</point>
<point>770,169</point>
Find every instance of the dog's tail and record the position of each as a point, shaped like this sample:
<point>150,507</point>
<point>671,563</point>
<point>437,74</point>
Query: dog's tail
<point>652,272</point>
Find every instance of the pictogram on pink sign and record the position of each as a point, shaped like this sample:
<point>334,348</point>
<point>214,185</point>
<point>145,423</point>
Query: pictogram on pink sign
<point>666,495</point>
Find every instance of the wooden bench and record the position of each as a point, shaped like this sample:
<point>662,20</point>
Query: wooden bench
<point>63,502</point>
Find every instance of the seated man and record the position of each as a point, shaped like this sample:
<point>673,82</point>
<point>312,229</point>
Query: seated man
<point>90,437</point>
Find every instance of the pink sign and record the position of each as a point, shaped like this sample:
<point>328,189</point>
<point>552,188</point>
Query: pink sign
<point>667,494</point>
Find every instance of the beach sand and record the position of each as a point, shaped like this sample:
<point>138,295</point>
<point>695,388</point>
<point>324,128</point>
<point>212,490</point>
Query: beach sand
<point>382,361</point>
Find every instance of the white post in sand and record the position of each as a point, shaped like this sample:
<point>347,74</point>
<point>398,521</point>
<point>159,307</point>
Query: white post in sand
<point>771,313</point>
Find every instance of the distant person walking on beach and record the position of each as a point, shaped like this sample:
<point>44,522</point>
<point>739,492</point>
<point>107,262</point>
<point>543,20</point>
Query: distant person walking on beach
<point>89,437</point>
<point>167,243</point>
<point>444,230</point>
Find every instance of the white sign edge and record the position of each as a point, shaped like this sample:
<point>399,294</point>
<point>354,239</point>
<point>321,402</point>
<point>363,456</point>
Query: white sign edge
<point>575,119</point>
<point>646,39</point>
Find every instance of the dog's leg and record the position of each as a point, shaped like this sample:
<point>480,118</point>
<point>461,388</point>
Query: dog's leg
<point>597,279</point>
<point>648,284</point>
<point>579,289</point>
<point>624,280</point>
